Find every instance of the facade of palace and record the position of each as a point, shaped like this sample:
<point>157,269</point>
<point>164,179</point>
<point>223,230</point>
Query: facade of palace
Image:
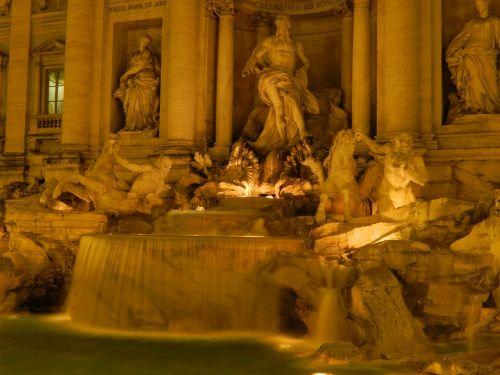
<point>63,62</point>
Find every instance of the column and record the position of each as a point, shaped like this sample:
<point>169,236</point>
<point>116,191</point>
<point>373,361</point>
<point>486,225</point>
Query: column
<point>182,74</point>
<point>437,78</point>
<point>399,68</point>
<point>206,96</point>
<point>78,75</point>
<point>361,67</point>
<point>17,85</point>
<point>225,81</point>
<point>4,61</point>
<point>346,61</point>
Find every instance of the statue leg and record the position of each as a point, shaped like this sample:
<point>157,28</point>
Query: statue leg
<point>297,114</point>
<point>274,96</point>
<point>70,185</point>
<point>347,205</point>
<point>320,216</point>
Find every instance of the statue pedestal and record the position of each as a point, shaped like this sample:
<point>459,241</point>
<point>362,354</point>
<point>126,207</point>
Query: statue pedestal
<point>470,146</point>
<point>479,119</point>
<point>220,152</point>
<point>471,131</point>
<point>138,144</point>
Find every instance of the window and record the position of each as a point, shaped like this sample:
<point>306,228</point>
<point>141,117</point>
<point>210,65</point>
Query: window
<point>55,91</point>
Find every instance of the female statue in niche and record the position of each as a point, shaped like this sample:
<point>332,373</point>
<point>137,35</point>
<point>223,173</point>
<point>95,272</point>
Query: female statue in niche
<point>472,60</point>
<point>139,87</point>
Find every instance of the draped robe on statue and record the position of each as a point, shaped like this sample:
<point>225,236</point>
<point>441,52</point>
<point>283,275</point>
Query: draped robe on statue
<point>296,96</point>
<point>472,60</point>
<point>141,99</point>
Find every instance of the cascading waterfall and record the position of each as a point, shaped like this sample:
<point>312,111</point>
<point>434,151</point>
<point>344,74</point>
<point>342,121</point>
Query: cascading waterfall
<point>331,323</point>
<point>188,283</point>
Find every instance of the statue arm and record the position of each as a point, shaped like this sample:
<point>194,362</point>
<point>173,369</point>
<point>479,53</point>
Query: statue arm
<point>303,58</point>
<point>157,67</point>
<point>418,172</point>
<point>137,168</point>
<point>257,58</point>
<point>135,68</point>
<point>371,144</point>
<point>459,41</point>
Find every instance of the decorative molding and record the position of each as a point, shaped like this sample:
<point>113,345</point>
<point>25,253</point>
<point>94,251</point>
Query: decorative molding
<point>5,7</point>
<point>50,46</point>
<point>119,6</point>
<point>43,22</point>
<point>4,27</point>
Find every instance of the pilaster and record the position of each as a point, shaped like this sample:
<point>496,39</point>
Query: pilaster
<point>346,74</point>
<point>17,86</point>
<point>225,79</point>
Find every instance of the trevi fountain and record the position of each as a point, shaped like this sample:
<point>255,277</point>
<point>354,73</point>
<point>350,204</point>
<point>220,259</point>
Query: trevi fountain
<point>250,187</point>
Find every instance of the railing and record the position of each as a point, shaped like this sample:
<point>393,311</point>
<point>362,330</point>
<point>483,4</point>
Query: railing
<point>49,121</point>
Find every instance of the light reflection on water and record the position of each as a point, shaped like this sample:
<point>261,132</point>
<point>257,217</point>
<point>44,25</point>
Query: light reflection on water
<point>54,345</point>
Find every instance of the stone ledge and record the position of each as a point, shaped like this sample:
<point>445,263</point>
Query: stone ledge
<point>29,216</point>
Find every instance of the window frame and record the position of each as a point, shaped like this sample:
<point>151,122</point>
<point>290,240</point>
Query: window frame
<point>44,97</point>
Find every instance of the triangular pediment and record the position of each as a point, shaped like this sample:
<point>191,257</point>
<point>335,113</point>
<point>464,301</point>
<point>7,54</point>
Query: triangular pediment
<point>50,46</point>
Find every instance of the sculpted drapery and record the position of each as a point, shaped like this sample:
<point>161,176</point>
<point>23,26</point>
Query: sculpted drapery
<point>281,66</point>
<point>472,60</point>
<point>139,87</point>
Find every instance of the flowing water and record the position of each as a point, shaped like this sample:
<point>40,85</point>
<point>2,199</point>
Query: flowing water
<point>179,283</point>
<point>331,323</point>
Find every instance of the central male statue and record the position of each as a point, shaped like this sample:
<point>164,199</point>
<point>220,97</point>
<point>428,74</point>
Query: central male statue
<point>281,65</point>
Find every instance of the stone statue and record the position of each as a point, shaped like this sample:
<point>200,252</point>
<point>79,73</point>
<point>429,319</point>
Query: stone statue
<point>282,66</point>
<point>149,186</point>
<point>339,189</point>
<point>100,185</point>
<point>472,60</point>
<point>139,87</point>
<point>402,166</point>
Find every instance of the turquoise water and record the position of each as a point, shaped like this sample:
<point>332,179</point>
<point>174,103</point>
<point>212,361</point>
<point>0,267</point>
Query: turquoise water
<point>41,345</point>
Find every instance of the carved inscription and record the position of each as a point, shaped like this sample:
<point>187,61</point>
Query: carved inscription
<point>124,6</point>
<point>293,6</point>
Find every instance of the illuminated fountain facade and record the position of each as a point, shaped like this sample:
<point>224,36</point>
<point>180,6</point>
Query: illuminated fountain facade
<point>277,166</point>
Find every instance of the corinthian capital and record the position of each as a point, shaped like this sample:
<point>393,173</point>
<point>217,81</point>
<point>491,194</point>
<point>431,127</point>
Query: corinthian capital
<point>4,61</point>
<point>218,8</point>
<point>257,19</point>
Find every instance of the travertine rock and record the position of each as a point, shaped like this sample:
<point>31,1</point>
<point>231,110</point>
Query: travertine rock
<point>343,351</point>
<point>36,264</point>
<point>378,307</point>
<point>348,237</point>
